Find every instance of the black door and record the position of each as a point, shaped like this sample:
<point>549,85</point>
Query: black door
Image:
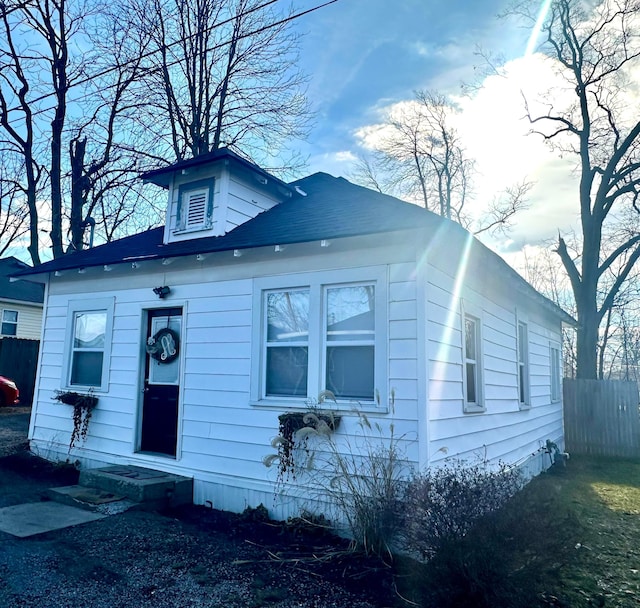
<point>159,429</point>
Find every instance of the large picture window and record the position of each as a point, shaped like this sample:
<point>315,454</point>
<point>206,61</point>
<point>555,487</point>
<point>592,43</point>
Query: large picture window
<point>89,342</point>
<point>321,336</point>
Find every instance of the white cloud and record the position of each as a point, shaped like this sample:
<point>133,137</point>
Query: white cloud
<point>494,130</point>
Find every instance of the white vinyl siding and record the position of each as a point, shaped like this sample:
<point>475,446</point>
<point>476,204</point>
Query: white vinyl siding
<point>29,319</point>
<point>504,431</point>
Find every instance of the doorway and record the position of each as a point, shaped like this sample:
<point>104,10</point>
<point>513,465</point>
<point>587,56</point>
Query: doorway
<point>161,390</point>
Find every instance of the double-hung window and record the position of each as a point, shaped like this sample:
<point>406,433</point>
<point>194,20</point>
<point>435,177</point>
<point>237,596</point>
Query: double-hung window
<point>88,342</point>
<point>349,350</point>
<point>320,335</point>
<point>287,343</point>
<point>556,378</point>
<point>9,323</point>
<point>472,364</point>
<point>523,364</point>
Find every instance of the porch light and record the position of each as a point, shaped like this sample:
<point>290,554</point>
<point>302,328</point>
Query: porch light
<point>162,292</point>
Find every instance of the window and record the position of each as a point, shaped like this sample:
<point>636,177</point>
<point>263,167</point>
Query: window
<point>556,379</point>
<point>523,364</point>
<point>321,336</point>
<point>195,206</point>
<point>472,364</point>
<point>88,338</point>
<point>287,344</point>
<point>350,341</point>
<point>9,323</point>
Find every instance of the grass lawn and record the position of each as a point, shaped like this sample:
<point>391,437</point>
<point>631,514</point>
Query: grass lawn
<point>603,495</point>
<point>571,538</point>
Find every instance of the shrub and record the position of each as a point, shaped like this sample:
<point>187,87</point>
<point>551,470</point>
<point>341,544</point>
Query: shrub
<point>444,503</point>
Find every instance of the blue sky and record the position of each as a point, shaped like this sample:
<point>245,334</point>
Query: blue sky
<point>364,56</point>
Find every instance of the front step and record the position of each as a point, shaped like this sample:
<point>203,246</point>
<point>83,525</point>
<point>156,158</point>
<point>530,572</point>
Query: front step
<point>141,485</point>
<point>118,488</point>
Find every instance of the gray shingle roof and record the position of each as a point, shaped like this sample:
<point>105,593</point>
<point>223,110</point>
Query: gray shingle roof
<point>332,208</point>
<point>24,291</point>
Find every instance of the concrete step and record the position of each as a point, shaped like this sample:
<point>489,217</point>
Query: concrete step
<point>92,499</point>
<point>152,489</point>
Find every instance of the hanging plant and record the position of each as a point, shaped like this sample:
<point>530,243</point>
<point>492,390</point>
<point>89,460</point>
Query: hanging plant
<point>83,405</point>
<point>294,430</point>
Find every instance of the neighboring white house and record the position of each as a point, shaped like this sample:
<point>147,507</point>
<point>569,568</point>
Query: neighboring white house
<point>20,303</point>
<point>259,295</point>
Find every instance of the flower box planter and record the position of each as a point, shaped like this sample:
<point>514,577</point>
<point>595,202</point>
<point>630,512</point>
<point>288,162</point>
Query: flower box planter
<point>88,401</point>
<point>83,404</point>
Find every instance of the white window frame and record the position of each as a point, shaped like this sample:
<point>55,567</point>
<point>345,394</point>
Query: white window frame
<point>200,188</point>
<point>555,372</point>
<point>74,308</point>
<point>317,283</point>
<point>477,406</point>
<point>522,362</point>
<point>14,323</point>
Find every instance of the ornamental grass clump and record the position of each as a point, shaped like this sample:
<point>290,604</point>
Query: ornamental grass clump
<point>363,474</point>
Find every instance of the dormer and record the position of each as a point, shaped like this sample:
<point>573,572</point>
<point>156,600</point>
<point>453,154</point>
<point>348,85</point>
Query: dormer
<point>213,193</point>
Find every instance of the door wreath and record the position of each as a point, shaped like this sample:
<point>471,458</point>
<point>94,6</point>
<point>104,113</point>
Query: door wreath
<point>164,345</point>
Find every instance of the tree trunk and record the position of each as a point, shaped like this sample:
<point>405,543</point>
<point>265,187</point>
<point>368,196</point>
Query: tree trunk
<point>77,150</point>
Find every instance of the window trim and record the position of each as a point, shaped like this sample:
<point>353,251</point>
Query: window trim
<point>524,390</point>
<point>555,370</point>
<point>14,323</point>
<point>182,211</point>
<point>79,306</point>
<point>478,406</point>
<point>317,282</point>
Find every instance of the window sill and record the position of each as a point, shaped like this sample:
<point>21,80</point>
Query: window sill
<point>470,408</point>
<point>190,230</point>
<point>75,388</point>
<point>295,405</point>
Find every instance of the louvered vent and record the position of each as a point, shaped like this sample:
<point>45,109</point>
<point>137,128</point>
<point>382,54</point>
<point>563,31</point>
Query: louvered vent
<point>196,209</point>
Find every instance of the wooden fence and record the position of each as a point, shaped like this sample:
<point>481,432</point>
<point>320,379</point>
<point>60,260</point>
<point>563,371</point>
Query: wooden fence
<point>18,361</point>
<point>602,418</point>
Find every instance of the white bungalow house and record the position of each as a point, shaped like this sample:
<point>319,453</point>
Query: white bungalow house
<point>273,292</point>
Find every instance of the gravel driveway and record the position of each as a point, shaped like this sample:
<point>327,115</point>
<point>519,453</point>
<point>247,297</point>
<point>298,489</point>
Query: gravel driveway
<point>192,557</point>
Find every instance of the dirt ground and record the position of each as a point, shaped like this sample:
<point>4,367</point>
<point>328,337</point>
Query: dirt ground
<point>191,557</point>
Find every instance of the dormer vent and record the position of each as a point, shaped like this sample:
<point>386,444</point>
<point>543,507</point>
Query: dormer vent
<point>195,206</point>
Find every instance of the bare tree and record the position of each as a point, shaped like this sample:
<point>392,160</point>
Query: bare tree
<point>14,214</point>
<point>420,156</point>
<point>73,148</point>
<point>223,72</point>
<point>595,47</point>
